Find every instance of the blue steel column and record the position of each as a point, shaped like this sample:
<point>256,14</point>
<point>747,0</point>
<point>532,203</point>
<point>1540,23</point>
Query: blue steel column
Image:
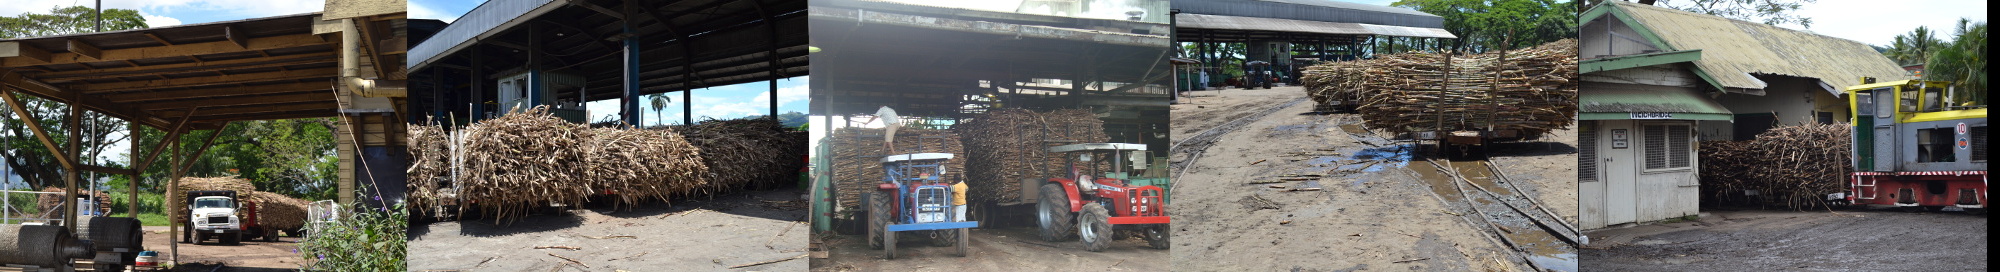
<point>631,102</point>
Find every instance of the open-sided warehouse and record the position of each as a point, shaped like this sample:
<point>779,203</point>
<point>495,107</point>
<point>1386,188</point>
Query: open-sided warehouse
<point>344,63</point>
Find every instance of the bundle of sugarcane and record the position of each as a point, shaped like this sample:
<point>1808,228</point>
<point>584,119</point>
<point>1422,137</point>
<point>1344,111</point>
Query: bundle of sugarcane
<point>1004,146</point>
<point>638,164</point>
<point>1725,170</point>
<point>1326,83</point>
<point>279,211</point>
<point>748,153</point>
<point>49,202</point>
<point>1532,90</point>
<point>525,160</point>
<point>1796,166</point>
<point>857,157</point>
<point>430,166</point>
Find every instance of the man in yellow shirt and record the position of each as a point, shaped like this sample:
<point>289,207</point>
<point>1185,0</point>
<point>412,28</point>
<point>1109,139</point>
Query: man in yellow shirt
<point>958,200</point>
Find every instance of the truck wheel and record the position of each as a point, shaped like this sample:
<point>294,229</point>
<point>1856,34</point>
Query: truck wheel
<point>1094,225</point>
<point>878,218</point>
<point>270,235</point>
<point>1052,213</point>
<point>1158,236</point>
<point>199,237</point>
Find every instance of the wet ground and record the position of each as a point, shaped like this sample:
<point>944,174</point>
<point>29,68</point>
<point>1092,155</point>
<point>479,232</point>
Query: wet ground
<point>1755,240</point>
<point>993,249</point>
<point>1302,191</point>
<point>734,232</point>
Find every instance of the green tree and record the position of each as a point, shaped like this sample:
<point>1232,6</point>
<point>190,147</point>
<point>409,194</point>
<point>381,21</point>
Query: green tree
<point>1915,47</point>
<point>1963,62</point>
<point>1486,25</point>
<point>67,20</point>
<point>1770,12</point>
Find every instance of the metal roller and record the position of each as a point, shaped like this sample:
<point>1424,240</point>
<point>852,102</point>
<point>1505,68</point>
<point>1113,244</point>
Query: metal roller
<point>37,245</point>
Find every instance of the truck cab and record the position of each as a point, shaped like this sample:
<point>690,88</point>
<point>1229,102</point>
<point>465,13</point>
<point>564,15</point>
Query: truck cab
<point>213,214</point>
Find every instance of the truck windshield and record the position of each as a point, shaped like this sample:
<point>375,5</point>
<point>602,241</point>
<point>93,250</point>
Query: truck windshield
<point>211,203</point>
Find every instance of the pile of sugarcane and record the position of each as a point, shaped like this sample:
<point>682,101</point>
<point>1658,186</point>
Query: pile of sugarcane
<point>278,211</point>
<point>1725,170</point>
<point>1792,167</point>
<point>748,153</point>
<point>1532,90</point>
<point>1004,146</point>
<point>639,164</point>
<point>50,202</point>
<point>522,161</point>
<point>430,167</point>
<point>857,157</point>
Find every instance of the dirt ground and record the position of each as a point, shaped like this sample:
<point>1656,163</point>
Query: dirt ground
<point>697,235</point>
<point>249,256</point>
<point>993,249</point>
<point>1755,240</point>
<point>1372,213</point>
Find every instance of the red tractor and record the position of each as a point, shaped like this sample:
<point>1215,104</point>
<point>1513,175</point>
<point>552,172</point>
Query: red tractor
<point>1099,208</point>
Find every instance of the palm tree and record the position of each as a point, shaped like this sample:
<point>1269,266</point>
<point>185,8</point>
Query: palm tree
<point>1914,47</point>
<point>660,106</point>
<point>1963,62</point>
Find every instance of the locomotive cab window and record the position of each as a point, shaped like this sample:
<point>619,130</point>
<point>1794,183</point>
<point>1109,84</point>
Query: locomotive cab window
<point>1935,145</point>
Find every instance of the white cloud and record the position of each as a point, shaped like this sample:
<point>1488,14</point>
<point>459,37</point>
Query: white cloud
<point>240,8</point>
<point>1878,23</point>
<point>159,21</point>
<point>786,95</point>
<point>420,11</point>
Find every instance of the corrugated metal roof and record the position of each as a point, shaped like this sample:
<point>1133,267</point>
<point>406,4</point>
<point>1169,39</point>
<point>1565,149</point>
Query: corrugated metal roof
<point>1735,49</point>
<point>1206,21</point>
<point>485,20</point>
<point>1312,10</point>
<point>1617,103</point>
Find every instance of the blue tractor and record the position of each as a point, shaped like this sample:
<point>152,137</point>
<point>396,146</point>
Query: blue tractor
<point>915,198</point>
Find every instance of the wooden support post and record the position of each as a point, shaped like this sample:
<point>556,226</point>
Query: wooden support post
<point>173,134</point>
<point>196,156</point>
<point>70,173</point>
<point>138,170</point>
<point>36,126</point>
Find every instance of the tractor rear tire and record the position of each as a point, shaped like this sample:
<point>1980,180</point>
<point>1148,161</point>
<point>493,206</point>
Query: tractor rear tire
<point>1053,215</point>
<point>878,219</point>
<point>1094,225</point>
<point>1159,237</point>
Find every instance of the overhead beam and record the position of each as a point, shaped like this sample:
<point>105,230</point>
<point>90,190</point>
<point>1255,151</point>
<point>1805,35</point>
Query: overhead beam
<point>309,86</point>
<point>179,50</point>
<point>238,101</point>
<point>236,36</point>
<point>206,81</point>
<point>37,88</point>
<point>268,116</point>
<point>106,170</point>
<point>84,49</point>
<point>17,49</point>
<point>599,9</point>
<point>251,109</point>
<point>157,38</point>
<point>173,136</point>
<point>199,66</point>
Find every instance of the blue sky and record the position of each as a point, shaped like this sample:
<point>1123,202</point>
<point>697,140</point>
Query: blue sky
<point>175,12</point>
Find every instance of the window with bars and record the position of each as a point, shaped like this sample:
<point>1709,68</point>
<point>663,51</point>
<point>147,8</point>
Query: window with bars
<point>1978,143</point>
<point>1586,159</point>
<point>1668,147</point>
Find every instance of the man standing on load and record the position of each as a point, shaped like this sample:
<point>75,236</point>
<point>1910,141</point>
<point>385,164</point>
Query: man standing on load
<point>889,124</point>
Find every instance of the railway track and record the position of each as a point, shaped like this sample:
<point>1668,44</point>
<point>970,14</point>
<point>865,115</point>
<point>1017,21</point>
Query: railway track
<point>1517,220</point>
<point>1195,146</point>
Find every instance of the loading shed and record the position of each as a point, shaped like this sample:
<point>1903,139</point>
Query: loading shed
<point>1278,31</point>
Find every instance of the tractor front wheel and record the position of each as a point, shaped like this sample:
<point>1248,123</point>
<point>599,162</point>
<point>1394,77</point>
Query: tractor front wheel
<point>944,237</point>
<point>1158,236</point>
<point>963,240</point>
<point>1094,225</point>
<point>1052,213</point>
